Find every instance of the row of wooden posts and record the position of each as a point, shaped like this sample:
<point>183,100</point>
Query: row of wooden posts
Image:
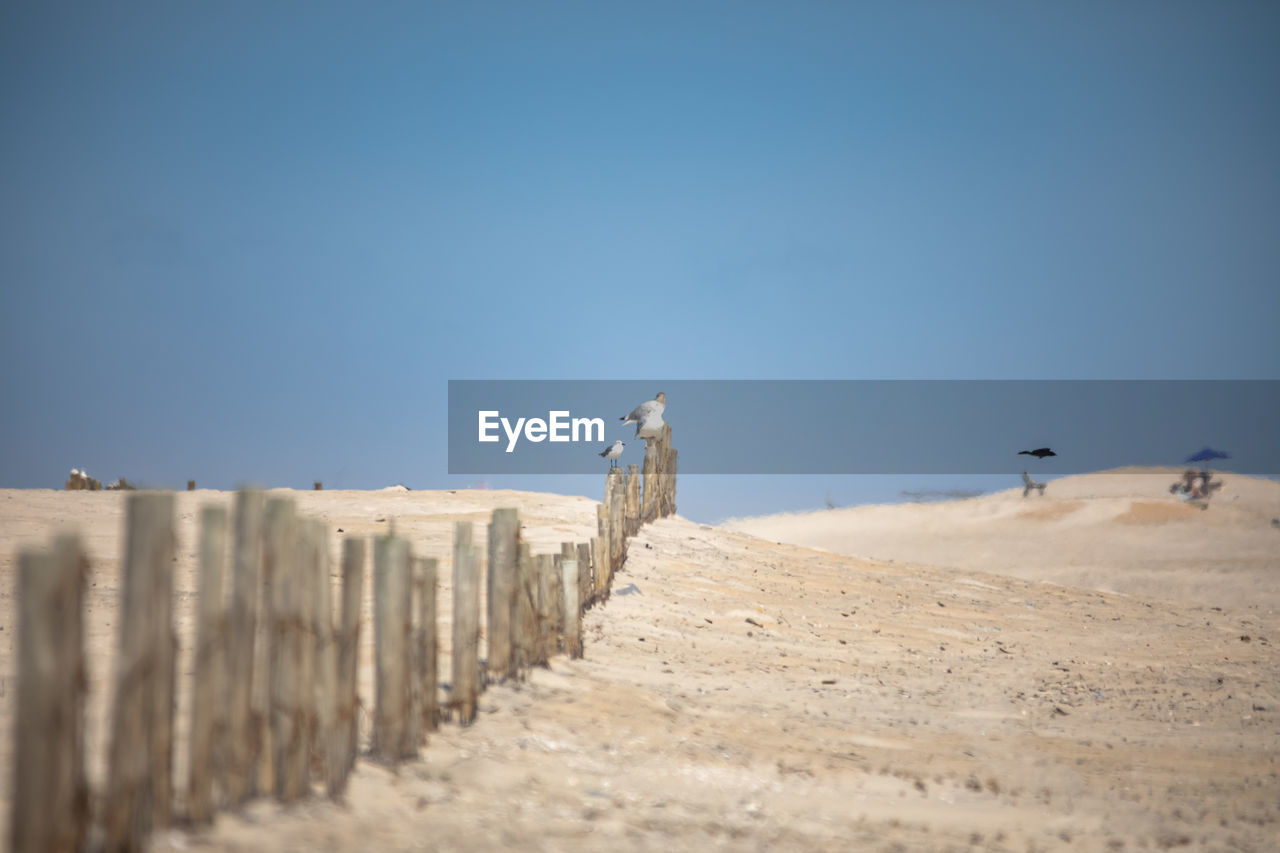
<point>274,709</point>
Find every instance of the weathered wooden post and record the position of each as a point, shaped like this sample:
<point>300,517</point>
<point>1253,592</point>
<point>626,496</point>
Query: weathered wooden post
<point>465,676</point>
<point>140,761</point>
<point>244,727</point>
<point>547,636</point>
<point>617,526</point>
<point>649,502</point>
<point>292,651</point>
<point>208,708</point>
<point>600,560</point>
<point>349,654</point>
<point>584,574</point>
<point>391,591</point>
<point>49,796</point>
<point>330,733</point>
<point>572,609</point>
<point>631,509</point>
<point>426,645</point>
<point>504,540</point>
<point>319,486</point>
<point>243,735</point>
<point>525,616</point>
<point>670,483</point>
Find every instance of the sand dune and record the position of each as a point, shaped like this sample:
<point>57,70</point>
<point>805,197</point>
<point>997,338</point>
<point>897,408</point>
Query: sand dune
<point>1116,530</point>
<point>743,694</point>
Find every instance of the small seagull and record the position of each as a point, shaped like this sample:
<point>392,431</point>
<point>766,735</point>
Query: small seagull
<point>648,417</point>
<point>612,452</point>
<point>1039,452</point>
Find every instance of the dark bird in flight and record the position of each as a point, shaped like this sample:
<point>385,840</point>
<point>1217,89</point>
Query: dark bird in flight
<point>1039,452</point>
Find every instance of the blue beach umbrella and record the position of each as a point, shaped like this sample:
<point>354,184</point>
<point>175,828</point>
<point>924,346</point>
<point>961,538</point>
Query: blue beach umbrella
<point>1208,454</point>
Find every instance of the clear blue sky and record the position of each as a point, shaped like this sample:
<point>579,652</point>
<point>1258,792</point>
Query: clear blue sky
<point>252,241</point>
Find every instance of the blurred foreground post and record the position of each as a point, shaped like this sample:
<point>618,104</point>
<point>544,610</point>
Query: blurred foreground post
<point>208,706</point>
<point>141,752</point>
<point>525,615</point>
<point>504,537</point>
<point>329,739</point>
<point>572,611</point>
<point>426,644</point>
<point>465,677</point>
<point>292,570</point>
<point>349,655</point>
<point>49,795</point>
<point>391,600</point>
<point>244,727</point>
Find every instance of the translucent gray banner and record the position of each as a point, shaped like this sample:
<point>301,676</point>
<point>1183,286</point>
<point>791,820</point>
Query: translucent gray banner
<point>869,426</point>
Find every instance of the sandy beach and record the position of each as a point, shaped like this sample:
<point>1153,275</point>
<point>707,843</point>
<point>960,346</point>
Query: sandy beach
<point>1091,670</point>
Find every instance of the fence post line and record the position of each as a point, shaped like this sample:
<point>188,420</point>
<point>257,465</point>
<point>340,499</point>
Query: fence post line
<point>347,726</point>
<point>243,735</point>
<point>208,710</point>
<point>465,675</point>
<point>391,654</point>
<point>141,747</point>
<point>49,795</point>
<point>504,533</point>
<point>426,643</point>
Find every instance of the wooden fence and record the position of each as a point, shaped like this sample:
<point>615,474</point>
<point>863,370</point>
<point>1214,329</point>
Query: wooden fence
<point>274,687</point>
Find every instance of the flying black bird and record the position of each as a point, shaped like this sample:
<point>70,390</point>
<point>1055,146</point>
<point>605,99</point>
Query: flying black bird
<point>1039,452</point>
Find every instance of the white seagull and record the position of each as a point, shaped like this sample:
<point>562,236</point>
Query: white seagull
<point>648,417</point>
<point>612,452</point>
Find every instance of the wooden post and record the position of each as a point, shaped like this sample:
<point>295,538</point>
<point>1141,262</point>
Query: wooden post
<point>244,726</point>
<point>572,610</point>
<point>584,574</point>
<point>669,502</point>
<point>319,487</point>
<point>600,561</point>
<point>292,652</point>
<point>617,527</point>
<point>631,514</point>
<point>49,797</point>
<point>547,634</point>
<point>140,761</point>
<point>191,485</point>
<point>525,615</point>
<point>504,541</point>
<point>391,600</point>
<point>208,707</point>
<point>426,644</point>
<point>348,725</point>
<point>330,733</point>
<point>649,504</point>
<point>465,676</point>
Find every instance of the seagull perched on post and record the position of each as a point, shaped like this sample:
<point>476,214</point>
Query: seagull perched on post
<point>612,452</point>
<point>648,417</point>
